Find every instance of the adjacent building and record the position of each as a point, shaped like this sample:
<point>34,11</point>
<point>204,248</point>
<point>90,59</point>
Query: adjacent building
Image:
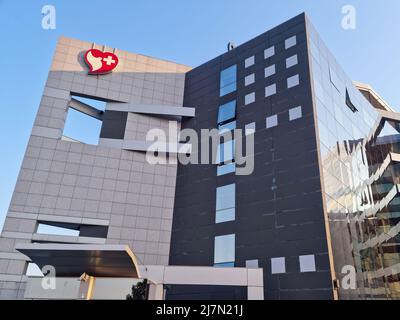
<point>318,213</point>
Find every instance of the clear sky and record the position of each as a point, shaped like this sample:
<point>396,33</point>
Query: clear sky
<point>186,31</point>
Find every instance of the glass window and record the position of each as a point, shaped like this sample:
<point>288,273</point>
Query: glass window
<point>293,81</point>
<point>307,263</point>
<point>272,121</point>
<point>270,90</point>
<point>250,128</point>
<point>226,169</point>
<point>269,52</point>
<point>291,61</point>
<point>295,113</point>
<point>252,264</point>
<point>278,265</point>
<point>59,231</point>
<point>226,152</point>
<point>292,41</point>
<point>227,127</point>
<point>249,79</point>
<point>249,98</point>
<point>228,80</point>
<point>227,112</point>
<point>269,71</point>
<point>225,204</point>
<point>249,62</point>
<point>224,250</point>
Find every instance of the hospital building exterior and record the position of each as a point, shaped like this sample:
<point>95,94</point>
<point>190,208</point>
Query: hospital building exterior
<point>315,219</point>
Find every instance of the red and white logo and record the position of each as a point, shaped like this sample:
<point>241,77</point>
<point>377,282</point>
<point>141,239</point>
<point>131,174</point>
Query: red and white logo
<point>100,62</point>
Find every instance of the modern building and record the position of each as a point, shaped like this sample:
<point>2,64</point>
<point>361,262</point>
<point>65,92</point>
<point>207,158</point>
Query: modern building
<point>317,215</point>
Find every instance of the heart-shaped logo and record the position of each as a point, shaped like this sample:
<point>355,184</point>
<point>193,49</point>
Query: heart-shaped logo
<point>100,62</point>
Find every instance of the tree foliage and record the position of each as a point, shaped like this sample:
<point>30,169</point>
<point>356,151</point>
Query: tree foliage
<point>139,291</point>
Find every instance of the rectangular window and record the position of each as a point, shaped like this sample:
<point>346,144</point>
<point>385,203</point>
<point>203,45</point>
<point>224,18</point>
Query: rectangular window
<point>249,98</point>
<point>307,263</point>
<point>272,121</point>
<point>292,41</point>
<point>55,230</point>
<point>224,251</point>
<point>226,152</point>
<point>229,126</point>
<point>278,265</point>
<point>293,81</point>
<point>268,53</point>
<point>270,90</point>
<point>227,112</point>
<point>291,61</point>
<point>249,62</point>
<point>228,80</point>
<point>250,128</point>
<point>295,113</point>
<point>225,204</point>
<point>226,169</point>
<point>250,79</point>
<point>269,71</point>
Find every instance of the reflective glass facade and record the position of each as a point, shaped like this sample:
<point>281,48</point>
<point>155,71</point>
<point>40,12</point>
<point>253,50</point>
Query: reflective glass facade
<point>358,145</point>
<point>322,199</point>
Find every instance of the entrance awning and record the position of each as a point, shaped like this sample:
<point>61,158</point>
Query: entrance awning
<point>72,260</point>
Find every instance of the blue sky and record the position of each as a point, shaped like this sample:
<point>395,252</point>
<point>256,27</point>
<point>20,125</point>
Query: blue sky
<point>188,32</point>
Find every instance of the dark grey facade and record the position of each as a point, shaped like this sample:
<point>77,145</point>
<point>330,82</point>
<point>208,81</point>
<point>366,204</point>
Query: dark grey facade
<point>279,207</point>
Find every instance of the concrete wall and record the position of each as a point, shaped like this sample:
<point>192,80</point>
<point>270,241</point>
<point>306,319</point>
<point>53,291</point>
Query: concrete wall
<point>71,182</point>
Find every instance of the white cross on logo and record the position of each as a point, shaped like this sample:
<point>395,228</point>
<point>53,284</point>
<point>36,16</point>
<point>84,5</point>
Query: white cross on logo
<point>109,60</point>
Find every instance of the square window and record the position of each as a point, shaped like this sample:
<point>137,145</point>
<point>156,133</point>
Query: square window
<point>295,113</point>
<point>307,263</point>
<point>250,128</point>
<point>272,121</point>
<point>269,52</point>
<point>291,61</point>
<point>293,81</point>
<point>80,124</point>
<point>278,265</point>
<point>269,71</point>
<point>224,250</point>
<point>249,79</point>
<point>249,98</point>
<point>292,41</point>
<point>270,90</point>
<point>252,264</point>
<point>249,62</point>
